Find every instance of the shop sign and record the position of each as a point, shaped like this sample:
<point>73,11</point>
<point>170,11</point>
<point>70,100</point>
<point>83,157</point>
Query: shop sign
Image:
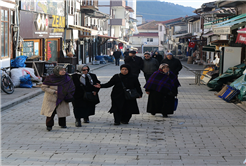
<point>48,68</point>
<point>40,33</point>
<point>58,35</point>
<point>58,22</point>
<point>49,55</point>
<point>56,30</point>
<point>241,38</point>
<point>225,30</point>
<point>42,22</point>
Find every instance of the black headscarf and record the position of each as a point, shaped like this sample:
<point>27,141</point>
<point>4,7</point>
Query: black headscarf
<point>128,68</point>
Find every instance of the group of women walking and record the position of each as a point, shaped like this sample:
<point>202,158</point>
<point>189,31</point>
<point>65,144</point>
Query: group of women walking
<point>82,90</point>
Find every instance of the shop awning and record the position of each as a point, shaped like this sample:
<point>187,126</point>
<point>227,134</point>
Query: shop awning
<point>226,27</point>
<point>122,41</point>
<point>108,37</point>
<point>93,32</point>
<point>208,48</point>
<point>241,37</point>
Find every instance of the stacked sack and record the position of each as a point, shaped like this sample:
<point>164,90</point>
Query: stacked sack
<point>17,73</point>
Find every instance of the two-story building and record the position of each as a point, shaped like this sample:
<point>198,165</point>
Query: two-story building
<point>147,39</point>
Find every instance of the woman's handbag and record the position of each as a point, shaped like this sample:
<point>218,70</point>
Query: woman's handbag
<point>175,103</point>
<point>89,96</point>
<point>130,94</point>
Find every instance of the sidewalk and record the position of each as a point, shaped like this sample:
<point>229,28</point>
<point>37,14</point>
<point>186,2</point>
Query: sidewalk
<point>23,94</point>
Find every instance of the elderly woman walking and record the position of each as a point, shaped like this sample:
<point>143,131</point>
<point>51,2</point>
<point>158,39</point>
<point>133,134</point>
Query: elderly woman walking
<point>162,88</point>
<point>84,84</point>
<point>123,108</point>
<point>59,90</point>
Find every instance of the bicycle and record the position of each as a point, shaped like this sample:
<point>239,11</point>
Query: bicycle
<point>7,84</point>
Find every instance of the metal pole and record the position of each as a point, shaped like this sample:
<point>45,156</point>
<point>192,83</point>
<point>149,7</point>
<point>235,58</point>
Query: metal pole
<point>17,24</point>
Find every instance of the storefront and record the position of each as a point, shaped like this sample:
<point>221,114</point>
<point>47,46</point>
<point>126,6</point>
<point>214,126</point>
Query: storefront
<point>7,22</point>
<point>87,43</point>
<point>41,35</point>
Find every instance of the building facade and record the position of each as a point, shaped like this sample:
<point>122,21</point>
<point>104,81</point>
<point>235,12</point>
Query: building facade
<point>8,22</point>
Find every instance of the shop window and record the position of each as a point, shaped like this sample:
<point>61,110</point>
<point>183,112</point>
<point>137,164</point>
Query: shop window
<point>4,33</point>
<point>31,48</point>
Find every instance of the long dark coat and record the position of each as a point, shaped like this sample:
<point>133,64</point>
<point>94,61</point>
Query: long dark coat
<point>82,108</point>
<point>136,64</point>
<point>119,103</point>
<point>162,102</point>
<point>158,57</point>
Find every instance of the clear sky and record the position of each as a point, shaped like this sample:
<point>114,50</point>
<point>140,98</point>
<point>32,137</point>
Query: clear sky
<point>191,3</point>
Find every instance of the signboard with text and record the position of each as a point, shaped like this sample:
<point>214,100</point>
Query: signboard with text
<point>52,7</point>
<point>224,30</point>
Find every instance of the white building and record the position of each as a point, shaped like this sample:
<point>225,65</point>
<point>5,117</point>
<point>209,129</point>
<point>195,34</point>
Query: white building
<point>147,39</point>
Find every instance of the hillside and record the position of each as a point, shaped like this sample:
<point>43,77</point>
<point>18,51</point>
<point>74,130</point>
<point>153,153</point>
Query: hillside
<point>161,11</point>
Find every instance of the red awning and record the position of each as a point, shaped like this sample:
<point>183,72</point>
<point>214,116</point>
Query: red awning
<point>242,30</point>
<point>241,38</point>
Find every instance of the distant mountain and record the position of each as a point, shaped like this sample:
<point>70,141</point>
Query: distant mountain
<point>162,11</point>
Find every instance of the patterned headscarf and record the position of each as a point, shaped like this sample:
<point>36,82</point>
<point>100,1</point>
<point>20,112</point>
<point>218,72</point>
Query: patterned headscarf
<point>83,76</point>
<point>160,81</point>
<point>163,65</point>
<point>65,85</point>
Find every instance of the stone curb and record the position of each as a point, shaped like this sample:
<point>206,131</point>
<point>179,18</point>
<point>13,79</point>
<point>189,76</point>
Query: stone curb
<point>21,99</point>
<point>33,94</point>
<point>100,66</point>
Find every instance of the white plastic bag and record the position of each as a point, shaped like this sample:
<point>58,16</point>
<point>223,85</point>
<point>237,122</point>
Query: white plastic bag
<point>18,72</point>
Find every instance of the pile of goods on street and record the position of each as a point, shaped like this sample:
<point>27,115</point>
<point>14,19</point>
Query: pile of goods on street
<point>231,85</point>
<point>23,76</point>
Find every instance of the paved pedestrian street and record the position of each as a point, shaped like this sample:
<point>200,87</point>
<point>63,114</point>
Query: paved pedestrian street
<point>204,130</point>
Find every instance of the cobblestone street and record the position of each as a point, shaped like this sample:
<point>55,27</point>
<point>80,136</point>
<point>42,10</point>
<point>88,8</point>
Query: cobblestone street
<point>205,130</point>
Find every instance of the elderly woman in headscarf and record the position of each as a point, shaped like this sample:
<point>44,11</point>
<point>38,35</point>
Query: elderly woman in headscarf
<point>59,90</point>
<point>122,108</point>
<point>162,87</point>
<point>84,85</point>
